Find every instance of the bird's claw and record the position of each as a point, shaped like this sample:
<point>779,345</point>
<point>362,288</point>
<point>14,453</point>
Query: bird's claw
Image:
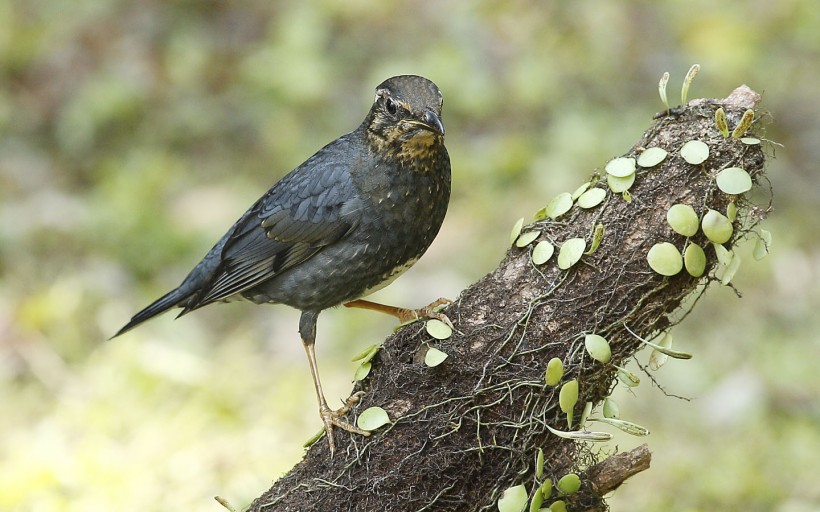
<point>333,419</point>
<point>431,310</point>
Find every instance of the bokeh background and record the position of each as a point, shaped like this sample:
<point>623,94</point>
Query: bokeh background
<point>133,134</point>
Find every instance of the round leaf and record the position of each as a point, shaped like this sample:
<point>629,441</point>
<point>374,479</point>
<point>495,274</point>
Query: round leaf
<point>683,219</point>
<point>716,227</point>
<point>652,157</point>
<point>750,140</point>
<point>513,499</point>
<point>372,418</point>
<point>568,396</point>
<point>559,205</point>
<point>438,329</point>
<point>555,370</point>
<point>620,185</point>
<point>569,484</point>
<point>434,357</point>
<point>570,252</point>
<point>665,259</point>
<point>591,198</point>
<point>598,347</point>
<point>695,152</point>
<point>694,259</point>
<point>525,239</point>
<point>611,409</point>
<point>558,506</point>
<point>542,252</point>
<point>621,167</point>
<point>734,180</point>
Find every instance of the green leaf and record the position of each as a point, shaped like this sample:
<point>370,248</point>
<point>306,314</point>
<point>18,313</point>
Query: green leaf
<point>720,122</point>
<point>567,398</point>
<point>627,426</point>
<point>694,152</point>
<point>372,418</point>
<point>569,484</point>
<point>665,259</point>
<point>585,414</point>
<point>731,270</point>
<point>687,81</point>
<point>731,211</point>
<point>438,329</point>
<point>694,259</point>
<point>537,500</point>
<point>434,357</point>
<point>652,157</point>
<point>591,198</point>
<point>716,227</point>
<point>628,378</point>
<point>539,464</point>
<point>525,239</point>
<point>362,371</point>
<point>734,180</point>
<point>516,230</point>
<point>620,185</point>
<point>559,205</point>
<point>582,435</point>
<point>555,371</point>
<point>367,354</point>
<point>513,499</point>
<point>542,252</point>
<point>751,141</point>
<point>621,167</point>
<point>570,252</point>
<point>744,124</point>
<point>762,245</point>
<point>597,237</point>
<point>683,219</point>
<point>611,409</point>
<point>598,347</point>
<point>546,487</point>
<point>662,88</point>
<point>558,506</point>
<point>580,190</point>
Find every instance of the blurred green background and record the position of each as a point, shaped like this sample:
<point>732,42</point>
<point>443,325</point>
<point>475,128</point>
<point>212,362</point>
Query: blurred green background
<point>133,134</point>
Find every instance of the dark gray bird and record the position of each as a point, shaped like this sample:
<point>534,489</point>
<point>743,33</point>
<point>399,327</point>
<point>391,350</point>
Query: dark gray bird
<point>343,224</point>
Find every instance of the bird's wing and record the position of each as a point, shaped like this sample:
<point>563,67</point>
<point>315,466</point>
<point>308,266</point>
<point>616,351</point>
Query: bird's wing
<point>310,208</point>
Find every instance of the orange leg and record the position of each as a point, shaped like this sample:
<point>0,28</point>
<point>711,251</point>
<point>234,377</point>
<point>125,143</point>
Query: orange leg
<point>405,314</point>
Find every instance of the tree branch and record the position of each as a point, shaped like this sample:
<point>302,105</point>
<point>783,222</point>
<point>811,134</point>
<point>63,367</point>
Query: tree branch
<point>464,431</point>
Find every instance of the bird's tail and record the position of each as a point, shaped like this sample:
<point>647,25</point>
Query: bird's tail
<point>161,305</point>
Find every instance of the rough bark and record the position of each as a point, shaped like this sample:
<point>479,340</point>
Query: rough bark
<point>464,431</point>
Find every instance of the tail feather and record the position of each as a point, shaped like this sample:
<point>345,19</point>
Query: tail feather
<point>161,305</point>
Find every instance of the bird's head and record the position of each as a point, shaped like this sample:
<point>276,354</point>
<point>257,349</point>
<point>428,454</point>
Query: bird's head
<point>405,119</point>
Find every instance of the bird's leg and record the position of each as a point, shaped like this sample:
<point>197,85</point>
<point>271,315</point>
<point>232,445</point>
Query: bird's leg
<point>405,314</point>
<point>331,418</point>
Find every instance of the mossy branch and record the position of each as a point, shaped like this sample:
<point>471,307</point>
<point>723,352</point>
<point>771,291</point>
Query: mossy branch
<point>464,431</point>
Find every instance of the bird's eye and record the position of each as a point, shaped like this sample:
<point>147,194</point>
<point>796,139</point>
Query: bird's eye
<point>391,106</point>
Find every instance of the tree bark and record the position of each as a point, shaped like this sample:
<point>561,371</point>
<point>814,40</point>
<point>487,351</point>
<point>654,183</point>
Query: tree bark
<point>466,430</point>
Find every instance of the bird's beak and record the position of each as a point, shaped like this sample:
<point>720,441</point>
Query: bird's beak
<point>431,121</point>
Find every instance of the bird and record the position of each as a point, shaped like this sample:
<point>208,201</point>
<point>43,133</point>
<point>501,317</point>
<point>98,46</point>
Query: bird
<point>343,224</point>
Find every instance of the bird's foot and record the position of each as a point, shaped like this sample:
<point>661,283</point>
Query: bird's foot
<point>431,310</point>
<point>406,315</point>
<point>333,419</point>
